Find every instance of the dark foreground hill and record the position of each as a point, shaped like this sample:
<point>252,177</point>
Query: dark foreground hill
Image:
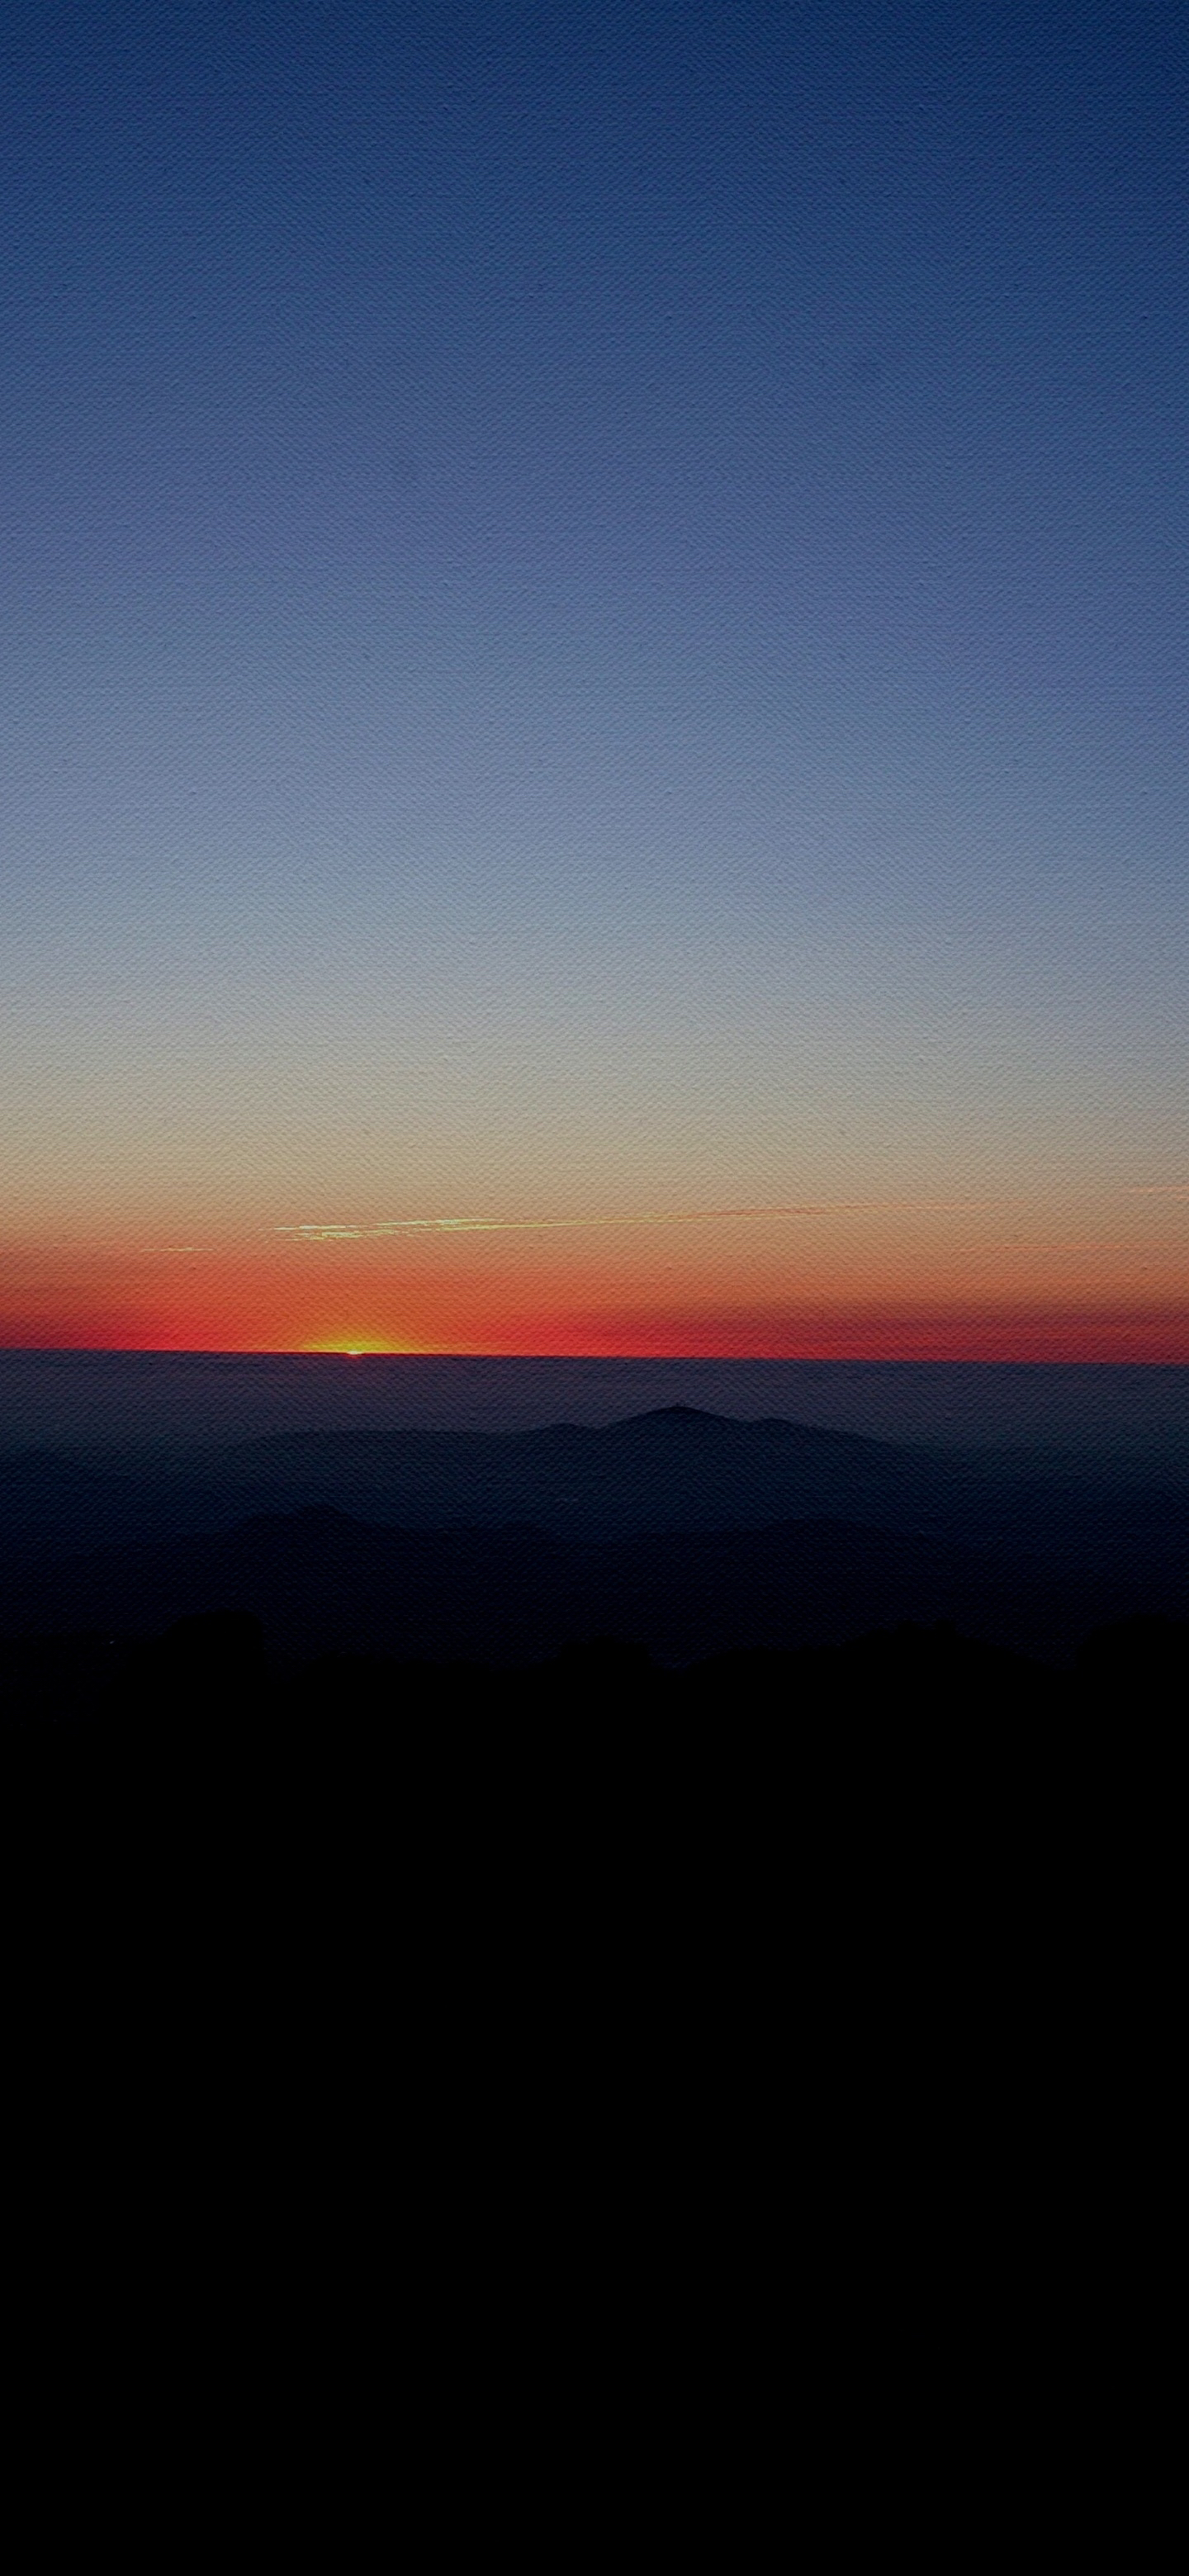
<point>371,1954</point>
<point>323,1583</point>
<point>400,1809</point>
<point>217,1666</point>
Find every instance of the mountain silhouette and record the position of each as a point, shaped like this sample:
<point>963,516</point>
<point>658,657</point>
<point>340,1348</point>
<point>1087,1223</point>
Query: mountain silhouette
<point>690,1531</point>
<point>322,1581</point>
<point>677,1467</point>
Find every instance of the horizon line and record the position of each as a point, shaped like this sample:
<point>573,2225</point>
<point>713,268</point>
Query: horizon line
<point>568,1359</point>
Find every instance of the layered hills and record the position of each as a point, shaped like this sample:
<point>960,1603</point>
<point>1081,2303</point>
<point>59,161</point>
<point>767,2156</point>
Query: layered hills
<point>691,1532</point>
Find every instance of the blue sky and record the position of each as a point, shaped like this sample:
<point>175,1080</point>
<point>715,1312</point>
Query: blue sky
<point>594,607</point>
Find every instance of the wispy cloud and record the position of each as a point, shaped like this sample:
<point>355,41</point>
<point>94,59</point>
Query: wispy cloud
<point>793,1208</point>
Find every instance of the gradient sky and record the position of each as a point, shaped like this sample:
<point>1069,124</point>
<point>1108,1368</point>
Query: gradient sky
<point>593,609</point>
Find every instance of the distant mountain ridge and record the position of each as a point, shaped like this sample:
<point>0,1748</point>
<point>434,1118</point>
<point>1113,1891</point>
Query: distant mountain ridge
<point>692,1531</point>
<point>676,1467</point>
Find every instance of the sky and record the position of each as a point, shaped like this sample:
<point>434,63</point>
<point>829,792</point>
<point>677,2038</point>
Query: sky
<point>594,735</point>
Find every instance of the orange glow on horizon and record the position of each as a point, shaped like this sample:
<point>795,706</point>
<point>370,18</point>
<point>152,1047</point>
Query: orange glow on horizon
<point>983,1282</point>
<point>1159,1339</point>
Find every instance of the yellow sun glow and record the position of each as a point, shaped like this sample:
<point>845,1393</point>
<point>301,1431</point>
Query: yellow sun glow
<point>357,1350</point>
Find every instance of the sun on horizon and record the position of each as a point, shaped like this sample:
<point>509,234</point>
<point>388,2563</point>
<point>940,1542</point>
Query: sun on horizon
<point>363,1347</point>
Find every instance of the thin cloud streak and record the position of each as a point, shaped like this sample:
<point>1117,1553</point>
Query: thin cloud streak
<point>691,1216</point>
